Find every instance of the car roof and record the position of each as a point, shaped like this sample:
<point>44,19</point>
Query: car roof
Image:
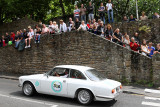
<point>76,67</point>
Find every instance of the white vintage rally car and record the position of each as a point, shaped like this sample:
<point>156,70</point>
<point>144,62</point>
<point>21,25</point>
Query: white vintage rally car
<point>84,83</point>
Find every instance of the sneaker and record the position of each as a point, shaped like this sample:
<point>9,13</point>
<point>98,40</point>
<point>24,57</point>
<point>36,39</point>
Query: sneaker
<point>29,46</point>
<point>38,41</point>
<point>26,46</point>
<point>35,42</point>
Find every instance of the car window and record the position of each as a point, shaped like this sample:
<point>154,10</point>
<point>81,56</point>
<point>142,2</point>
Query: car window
<point>60,72</point>
<point>76,74</point>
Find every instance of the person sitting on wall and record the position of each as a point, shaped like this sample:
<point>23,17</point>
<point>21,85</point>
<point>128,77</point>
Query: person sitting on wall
<point>126,41</point>
<point>133,45</point>
<point>30,36</point>
<point>151,49</point>
<point>117,37</point>
<point>89,23</point>
<point>95,28</point>
<point>17,39</point>
<point>63,26</point>
<point>156,16</point>
<point>108,32</point>
<point>132,18</point>
<point>100,29</point>
<point>125,19</point>
<point>69,24</point>
<point>7,38</point>
<point>3,41</point>
<point>91,29</point>
<point>37,35</point>
<point>45,30</point>
<point>157,50</point>
<point>83,27</point>
<point>143,17</point>
<point>72,26</point>
<point>77,23</point>
<point>144,48</point>
<point>12,37</point>
<point>55,27</point>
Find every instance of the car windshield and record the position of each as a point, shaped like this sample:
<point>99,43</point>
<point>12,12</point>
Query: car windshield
<point>94,75</point>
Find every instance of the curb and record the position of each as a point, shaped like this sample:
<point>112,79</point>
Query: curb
<point>9,77</point>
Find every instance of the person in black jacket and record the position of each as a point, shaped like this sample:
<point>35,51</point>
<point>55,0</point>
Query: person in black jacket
<point>100,29</point>
<point>77,23</point>
<point>7,38</point>
<point>117,37</point>
<point>90,10</point>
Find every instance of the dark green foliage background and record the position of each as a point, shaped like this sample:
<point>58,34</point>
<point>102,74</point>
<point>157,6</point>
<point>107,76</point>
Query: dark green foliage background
<point>45,10</point>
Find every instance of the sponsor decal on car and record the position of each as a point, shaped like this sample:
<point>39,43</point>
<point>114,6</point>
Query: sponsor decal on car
<point>56,86</point>
<point>36,83</point>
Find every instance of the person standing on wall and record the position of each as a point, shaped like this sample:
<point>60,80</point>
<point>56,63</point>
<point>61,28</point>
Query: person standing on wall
<point>90,10</point>
<point>101,11</point>
<point>109,8</point>
<point>83,13</point>
<point>76,13</point>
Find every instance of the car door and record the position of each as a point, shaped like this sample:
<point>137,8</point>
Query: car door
<point>76,80</point>
<point>54,85</point>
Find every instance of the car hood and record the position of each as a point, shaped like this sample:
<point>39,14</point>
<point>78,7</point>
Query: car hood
<point>35,76</point>
<point>111,83</point>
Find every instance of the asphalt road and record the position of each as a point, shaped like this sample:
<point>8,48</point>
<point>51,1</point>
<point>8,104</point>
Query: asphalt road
<point>11,96</point>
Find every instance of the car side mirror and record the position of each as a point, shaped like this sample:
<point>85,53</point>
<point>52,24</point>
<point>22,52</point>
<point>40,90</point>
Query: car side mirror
<point>46,75</point>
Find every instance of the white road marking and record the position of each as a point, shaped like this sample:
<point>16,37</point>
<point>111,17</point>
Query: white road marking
<point>27,100</point>
<point>152,91</point>
<point>151,104</point>
<point>54,106</point>
<point>152,98</point>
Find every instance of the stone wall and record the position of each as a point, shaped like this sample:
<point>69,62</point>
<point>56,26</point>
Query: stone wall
<point>79,48</point>
<point>156,69</point>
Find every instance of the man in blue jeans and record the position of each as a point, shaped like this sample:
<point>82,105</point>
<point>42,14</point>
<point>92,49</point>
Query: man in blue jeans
<point>109,8</point>
<point>90,10</point>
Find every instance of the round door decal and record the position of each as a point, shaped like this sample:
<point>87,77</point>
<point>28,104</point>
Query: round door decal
<point>37,83</point>
<point>56,86</point>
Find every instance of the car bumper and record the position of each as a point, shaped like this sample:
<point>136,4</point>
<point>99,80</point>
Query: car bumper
<point>106,98</point>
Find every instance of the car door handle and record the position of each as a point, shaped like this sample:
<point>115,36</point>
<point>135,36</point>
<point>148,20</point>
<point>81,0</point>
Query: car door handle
<point>64,81</point>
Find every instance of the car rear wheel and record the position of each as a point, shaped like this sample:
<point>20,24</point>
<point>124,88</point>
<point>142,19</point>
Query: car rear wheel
<point>84,97</point>
<point>28,89</point>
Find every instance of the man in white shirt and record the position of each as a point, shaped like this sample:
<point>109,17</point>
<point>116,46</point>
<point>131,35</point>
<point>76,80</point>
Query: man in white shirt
<point>109,8</point>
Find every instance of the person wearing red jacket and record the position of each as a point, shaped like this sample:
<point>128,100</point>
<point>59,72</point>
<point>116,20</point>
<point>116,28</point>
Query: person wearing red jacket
<point>133,45</point>
<point>12,37</point>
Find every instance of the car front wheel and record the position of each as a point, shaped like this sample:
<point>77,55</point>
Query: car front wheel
<point>28,89</point>
<point>84,97</point>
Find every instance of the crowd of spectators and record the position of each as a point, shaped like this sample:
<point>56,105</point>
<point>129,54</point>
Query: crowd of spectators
<point>23,38</point>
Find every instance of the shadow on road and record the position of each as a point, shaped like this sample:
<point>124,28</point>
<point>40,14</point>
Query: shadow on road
<point>62,100</point>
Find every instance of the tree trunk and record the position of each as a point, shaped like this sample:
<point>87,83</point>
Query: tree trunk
<point>63,10</point>
<point>125,9</point>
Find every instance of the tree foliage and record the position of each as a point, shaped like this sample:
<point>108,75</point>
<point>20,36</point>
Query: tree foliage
<point>48,9</point>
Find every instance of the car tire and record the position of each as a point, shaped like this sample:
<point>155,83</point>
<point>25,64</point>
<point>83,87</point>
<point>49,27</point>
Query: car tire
<point>84,97</point>
<point>28,89</point>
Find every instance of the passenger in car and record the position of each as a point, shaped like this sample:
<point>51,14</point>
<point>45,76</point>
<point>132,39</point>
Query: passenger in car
<point>56,74</point>
<point>66,74</point>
